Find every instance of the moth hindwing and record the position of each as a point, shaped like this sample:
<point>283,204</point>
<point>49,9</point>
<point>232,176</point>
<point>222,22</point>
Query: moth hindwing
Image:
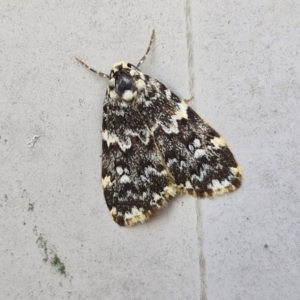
<point>155,146</point>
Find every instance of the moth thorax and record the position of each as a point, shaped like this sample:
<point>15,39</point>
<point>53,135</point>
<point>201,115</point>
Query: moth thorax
<point>126,87</point>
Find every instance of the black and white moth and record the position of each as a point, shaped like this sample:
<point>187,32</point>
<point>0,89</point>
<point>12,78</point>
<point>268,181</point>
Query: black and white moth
<point>155,146</point>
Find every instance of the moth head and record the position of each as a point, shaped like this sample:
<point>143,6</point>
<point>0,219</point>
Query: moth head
<point>123,82</point>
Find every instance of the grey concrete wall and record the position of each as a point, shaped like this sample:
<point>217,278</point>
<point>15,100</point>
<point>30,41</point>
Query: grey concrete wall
<point>241,62</point>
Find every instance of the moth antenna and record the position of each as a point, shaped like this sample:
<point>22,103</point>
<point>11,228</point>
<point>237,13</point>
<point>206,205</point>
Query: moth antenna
<point>93,70</point>
<point>147,52</point>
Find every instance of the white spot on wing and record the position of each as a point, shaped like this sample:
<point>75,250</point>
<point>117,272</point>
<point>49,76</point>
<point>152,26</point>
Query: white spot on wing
<point>150,170</point>
<point>136,215</point>
<point>168,94</point>
<point>183,164</point>
<point>200,153</point>
<point>197,143</point>
<point>188,185</point>
<point>156,197</point>
<point>111,138</point>
<point>181,113</point>
<point>171,162</point>
<point>113,211</point>
<point>218,142</point>
<point>170,190</point>
<point>203,174</point>
<point>125,179</point>
<point>106,181</point>
<point>236,171</point>
<point>119,170</point>
<point>143,135</point>
<point>217,185</point>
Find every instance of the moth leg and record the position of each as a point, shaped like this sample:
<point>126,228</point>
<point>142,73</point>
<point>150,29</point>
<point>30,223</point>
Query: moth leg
<point>188,99</point>
<point>93,70</point>
<point>147,52</point>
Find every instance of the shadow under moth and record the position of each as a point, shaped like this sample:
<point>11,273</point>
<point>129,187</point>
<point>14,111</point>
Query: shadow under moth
<point>155,146</point>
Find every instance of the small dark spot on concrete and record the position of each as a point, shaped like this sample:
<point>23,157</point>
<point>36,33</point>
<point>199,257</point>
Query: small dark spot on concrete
<point>30,206</point>
<point>81,101</point>
<point>266,246</point>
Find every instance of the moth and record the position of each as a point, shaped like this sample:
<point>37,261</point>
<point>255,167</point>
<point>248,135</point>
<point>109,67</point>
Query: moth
<point>155,146</point>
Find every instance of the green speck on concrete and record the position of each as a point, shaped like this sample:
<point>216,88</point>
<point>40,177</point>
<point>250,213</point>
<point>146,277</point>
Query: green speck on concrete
<point>62,269</point>
<point>43,244</point>
<point>56,262</point>
<point>30,206</point>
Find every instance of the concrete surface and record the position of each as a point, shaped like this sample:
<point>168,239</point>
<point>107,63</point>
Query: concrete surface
<point>241,62</point>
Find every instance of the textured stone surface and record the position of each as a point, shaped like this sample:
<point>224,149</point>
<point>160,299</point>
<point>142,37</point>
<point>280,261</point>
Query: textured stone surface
<point>57,239</point>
